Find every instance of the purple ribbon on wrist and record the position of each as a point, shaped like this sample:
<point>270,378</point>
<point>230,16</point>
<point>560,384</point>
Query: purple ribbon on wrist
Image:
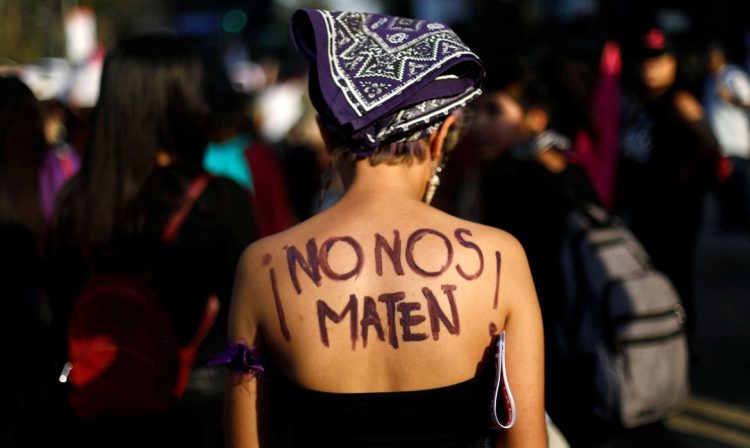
<point>240,358</point>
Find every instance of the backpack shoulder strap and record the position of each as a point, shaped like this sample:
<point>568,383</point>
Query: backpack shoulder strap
<point>175,221</point>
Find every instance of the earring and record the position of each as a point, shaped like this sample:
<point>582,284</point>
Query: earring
<point>325,182</point>
<point>432,185</point>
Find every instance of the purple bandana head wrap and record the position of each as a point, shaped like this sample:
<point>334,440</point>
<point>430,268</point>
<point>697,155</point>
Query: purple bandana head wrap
<point>377,79</point>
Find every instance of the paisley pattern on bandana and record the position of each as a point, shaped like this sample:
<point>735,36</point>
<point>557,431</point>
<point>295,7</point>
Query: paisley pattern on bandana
<point>380,78</point>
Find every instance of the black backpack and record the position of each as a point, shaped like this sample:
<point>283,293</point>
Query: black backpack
<point>622,332</point>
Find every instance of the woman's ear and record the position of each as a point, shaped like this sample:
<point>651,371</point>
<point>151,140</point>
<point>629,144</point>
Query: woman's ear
<point>437,140</point>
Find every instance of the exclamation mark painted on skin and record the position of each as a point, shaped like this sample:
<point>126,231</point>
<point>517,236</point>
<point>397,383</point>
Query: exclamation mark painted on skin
<point>499,261</point>
<point>279,307</point>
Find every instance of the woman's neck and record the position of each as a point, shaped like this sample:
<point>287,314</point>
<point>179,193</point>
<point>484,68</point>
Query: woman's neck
<point>399,181</point>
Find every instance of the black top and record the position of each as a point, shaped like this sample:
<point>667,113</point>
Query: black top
<point>666,162</point>
<point>452,416</point>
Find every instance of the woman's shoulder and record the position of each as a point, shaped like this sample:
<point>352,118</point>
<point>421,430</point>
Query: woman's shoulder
<point>260,250</point>
<point>488,235</point>
<point>312,235</point>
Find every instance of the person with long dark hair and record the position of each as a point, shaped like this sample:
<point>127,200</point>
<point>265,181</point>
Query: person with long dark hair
<point>23,154</point>
<point>379,318</point>
<point>149,132</point>
<point>150,113</point>
<point>22,148</point>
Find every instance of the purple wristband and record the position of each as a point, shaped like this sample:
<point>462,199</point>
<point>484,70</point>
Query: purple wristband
<point>240,358</point>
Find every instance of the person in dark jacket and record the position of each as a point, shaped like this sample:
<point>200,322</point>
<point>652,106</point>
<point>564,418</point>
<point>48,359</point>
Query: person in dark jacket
<point>668,161</point>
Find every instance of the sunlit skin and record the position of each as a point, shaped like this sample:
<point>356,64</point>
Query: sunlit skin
<point>659,73</point>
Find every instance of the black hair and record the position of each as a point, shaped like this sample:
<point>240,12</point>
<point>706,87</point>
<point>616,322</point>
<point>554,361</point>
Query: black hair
<point>517,78</point>
<point>22,146</point>
<point>151,100</point>
<point>503,72</point>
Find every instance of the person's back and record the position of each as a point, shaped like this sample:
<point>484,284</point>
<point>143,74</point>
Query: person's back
<point>383,294</point>
<point>378,318</point>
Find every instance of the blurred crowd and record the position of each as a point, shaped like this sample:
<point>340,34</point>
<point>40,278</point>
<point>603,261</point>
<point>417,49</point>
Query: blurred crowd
<point>175,171</point>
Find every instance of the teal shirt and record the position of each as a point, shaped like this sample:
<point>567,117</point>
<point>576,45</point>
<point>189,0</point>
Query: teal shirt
<point>227,159</point>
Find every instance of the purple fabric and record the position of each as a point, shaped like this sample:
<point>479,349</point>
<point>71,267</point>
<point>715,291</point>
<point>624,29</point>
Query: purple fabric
<point>240,358</point>
<point>58,165</point>
<point>378,79</point>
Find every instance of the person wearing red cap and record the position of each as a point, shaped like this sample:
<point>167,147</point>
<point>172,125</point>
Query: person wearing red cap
<point>668,160</point>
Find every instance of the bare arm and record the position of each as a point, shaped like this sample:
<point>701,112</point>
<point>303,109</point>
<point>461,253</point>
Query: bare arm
<point>524,353</point>
<point>691,112</point>
<point>241,399</point>
<point>241,413</point>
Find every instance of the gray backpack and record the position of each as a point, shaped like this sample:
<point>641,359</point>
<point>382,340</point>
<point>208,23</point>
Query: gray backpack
<point>624,316</point>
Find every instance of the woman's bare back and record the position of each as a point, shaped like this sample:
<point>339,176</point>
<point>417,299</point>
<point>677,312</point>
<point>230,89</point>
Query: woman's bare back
<point>381,296</point>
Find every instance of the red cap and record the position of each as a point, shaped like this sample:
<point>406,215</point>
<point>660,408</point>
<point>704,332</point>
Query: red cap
<point>655,43</point>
